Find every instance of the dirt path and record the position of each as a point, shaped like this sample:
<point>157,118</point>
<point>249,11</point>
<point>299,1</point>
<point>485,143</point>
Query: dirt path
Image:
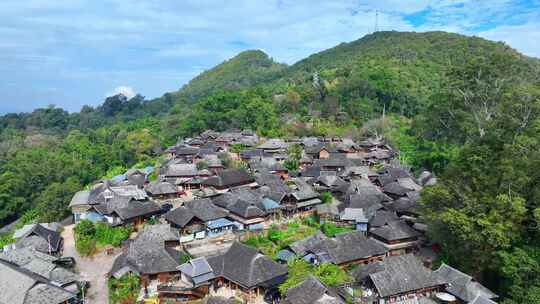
<point>92,269</point>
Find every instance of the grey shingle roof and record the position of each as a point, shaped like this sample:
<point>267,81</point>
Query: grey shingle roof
<point>402,274</point>
<point>395,188</point>
<point>181,170</point>
<point>343,248</point>
<point>310,291</point>
<point>203,209</point>
<point>228,178</point>
<point>362,272</point>
<point>80,198</point>
<point>482,300</point>
<point>161,188</point>
<point>22,256</point>
<point>198,270</point>
<point>462,285</point>
<point>40,238</point>
<point>394,231</point>
<point>247,267</point>
<point>245,202</point>
<point>147,253</point>
<point>382,217</point>
<point>21,286</point>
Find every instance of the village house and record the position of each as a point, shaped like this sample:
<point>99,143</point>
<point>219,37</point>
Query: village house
<point>247,207</point>
<point>463,286</point>
<point>356,218</point>
<point>312,290</point>
<point>151,255</point>
<point>115,205</point>
<point>337,162</point>
<point>247,155</point>
<point>187,153</point>
<point>179,173</point>
<point>230,178</point>
<point>397,236</point>
<point>43,265</point>
<point>398,279</point>
<point>199,218</point>
<point>163,190</point>
<point>44,238</point>
<point>19,285</point>
<point>270,165</point>
<point>329,183</point>
<point>344,249</point>
<point>274,145</point>
<point>247,272</point>
<point>193,282</point>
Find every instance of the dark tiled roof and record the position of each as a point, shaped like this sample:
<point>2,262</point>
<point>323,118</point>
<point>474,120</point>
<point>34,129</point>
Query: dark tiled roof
<point>147,253</point>
<point>462,285</point>
<point>19,286</point>
<point>382,218</point>
<point>161,188</point>
<point>228,178</point>
<point>403,274</point>
<point>395,188</point>
<point>343,248</point>
<point>311,291</point>
<point>247,267</point>
<point>394,231</point>
<point>203,209</point>
<point>363,272</point>
<point>40,238</point>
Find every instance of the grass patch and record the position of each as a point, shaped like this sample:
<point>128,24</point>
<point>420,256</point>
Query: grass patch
<point>279,237</point>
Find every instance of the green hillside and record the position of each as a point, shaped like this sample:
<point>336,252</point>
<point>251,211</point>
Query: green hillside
<point>246,69</point>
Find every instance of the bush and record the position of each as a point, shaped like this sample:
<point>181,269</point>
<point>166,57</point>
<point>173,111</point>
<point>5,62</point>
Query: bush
<point>125,289</point>
<point>326,197</point>
<point>106,235</point>
<point>85,245</point>
<point>85,228</point>
<point>88,235</point>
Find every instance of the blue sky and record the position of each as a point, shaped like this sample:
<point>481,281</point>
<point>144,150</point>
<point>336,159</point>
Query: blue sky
<point>75,52</point>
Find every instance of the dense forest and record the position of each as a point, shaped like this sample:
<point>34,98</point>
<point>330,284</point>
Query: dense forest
<point>463,107</point>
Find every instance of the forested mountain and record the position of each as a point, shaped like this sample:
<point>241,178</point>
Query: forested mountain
<point>465,107</point>
<point>244,70</point>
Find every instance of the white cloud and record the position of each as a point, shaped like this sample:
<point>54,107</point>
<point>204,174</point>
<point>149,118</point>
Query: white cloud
<point>124,90</point>
<point>523,37</point>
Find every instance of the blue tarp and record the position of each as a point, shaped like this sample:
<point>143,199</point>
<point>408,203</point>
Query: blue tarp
<point>361,227</point>
<point>119,178</point>
<point>285,255</point>
<point>310,258</point>
<point>219,223</point>
<point>255,227</point>
<point>93,217</point>
<point>269,204</point>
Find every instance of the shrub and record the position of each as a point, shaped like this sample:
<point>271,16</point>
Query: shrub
<point>106,235</point>
<point>85,245</point>
<point>124,289</point>
<point>85,228</point>
<point>326,197</point>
